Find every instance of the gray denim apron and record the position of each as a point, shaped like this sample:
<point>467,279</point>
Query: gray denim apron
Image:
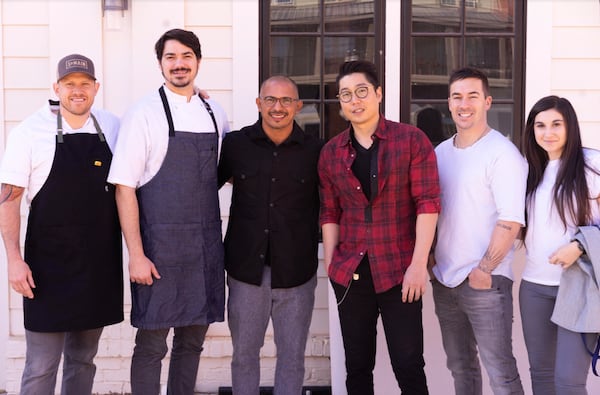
<point>180,223</point>
<point>73,242</point>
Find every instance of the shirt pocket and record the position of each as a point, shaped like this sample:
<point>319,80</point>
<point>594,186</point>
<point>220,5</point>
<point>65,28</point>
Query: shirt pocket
<point>247,187</point>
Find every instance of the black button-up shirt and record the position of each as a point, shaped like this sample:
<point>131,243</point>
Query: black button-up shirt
<point>274,206</point>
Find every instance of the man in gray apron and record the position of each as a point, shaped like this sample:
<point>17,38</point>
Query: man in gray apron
<point>71,277</point>
<point>165,171</point>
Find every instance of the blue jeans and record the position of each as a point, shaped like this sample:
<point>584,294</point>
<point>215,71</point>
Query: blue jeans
<point>44,350</point>
<point>151,348</point>
<point>473,320</point>
<point>249,309</point>
<point>359,308</point>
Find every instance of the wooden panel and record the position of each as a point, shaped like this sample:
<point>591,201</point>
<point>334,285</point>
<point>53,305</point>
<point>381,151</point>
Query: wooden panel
<point>31,12</point>
<point>26,41</point>
<point>208,13</point>
<point>26,73</point>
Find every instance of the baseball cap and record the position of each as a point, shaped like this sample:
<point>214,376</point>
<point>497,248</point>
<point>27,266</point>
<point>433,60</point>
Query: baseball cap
<point>75,63</point>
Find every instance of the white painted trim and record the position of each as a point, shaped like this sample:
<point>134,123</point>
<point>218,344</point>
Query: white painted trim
<point>538,51</point>
<point>245,61</point>
<point>4,290</point>
<point>392,60</point>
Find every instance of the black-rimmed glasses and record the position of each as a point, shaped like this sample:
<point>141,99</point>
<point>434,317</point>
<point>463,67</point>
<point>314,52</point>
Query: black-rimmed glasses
<point>346,96</point>
<point>284,101</point>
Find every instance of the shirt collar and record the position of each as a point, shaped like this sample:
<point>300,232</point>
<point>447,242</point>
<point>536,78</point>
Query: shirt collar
<point>381,132</point>
<point>177,98</point>
<point>258,133</point>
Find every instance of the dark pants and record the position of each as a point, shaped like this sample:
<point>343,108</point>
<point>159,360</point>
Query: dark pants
<point>359,308</point>
<point>151,348</point>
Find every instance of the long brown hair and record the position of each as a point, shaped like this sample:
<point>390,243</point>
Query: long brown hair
<point>571,196</point>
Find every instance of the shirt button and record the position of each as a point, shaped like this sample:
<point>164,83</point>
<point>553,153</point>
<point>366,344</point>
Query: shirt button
<point>271,204</point>
<point>273,179</point>
<point>243,176</point>
<point>361,253</point>
<point>266,231</point>
<point>358,188</point>
<point>262,256</point>
<point>275,153</point>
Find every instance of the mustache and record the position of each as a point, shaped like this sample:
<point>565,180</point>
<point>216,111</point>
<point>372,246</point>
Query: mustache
<point>180,69</point>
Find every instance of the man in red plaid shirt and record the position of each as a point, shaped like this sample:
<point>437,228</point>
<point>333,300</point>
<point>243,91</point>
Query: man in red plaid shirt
<point>379,207</point>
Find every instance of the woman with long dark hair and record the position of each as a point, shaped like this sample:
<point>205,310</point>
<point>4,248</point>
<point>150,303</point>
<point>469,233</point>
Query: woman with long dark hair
<point>563,189</point>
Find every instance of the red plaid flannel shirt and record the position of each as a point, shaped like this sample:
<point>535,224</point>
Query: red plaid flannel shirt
<point>408,185</point>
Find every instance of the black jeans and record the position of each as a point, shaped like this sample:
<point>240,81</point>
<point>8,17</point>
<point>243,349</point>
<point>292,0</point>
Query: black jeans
<point>359,308</point>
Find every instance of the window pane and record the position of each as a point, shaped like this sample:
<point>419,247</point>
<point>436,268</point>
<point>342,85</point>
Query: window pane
<point>429,16</point>
<point>434,58</point>
<point>434,119</point>
<point>334,122</point>
<point>288,17</point>
<point>500,117</point>
<point>494,56</point>
<point>295,57</point>
<point>490,16</point>
<point>309,118</point>
<point>349,16</point>
<point>338,50</point>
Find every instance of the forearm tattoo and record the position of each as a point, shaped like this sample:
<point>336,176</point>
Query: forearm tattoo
<point>6,192</point>
<point>504,226</point>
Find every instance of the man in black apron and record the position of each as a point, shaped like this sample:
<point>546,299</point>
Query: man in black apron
<point>165,169</point>
<point>71,276</point>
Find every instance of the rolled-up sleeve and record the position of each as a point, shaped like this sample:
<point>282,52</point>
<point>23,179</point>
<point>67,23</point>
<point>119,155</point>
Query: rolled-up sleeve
<point>330,206</point>
<point>424,179</point>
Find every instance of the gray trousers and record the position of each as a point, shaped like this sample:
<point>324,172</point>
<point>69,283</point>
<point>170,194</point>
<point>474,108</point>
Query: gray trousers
<point>249,309</point>
<point>558,361</point>
<point>44,350</point>
<point>476,322</point>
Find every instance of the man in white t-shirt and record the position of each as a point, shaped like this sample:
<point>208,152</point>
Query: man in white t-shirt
<point>71,272</point>
<point>482,180</point>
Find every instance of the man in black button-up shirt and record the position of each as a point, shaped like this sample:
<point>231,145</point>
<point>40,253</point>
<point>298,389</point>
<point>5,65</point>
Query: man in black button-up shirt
<point>272,238</point>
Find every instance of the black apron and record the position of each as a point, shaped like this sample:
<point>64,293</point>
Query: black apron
<point>73,242</point>
<point>180,223</point>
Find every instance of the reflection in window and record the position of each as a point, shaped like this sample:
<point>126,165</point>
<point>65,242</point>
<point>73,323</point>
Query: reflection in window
<point>449,34</point>
<point>307,40</point>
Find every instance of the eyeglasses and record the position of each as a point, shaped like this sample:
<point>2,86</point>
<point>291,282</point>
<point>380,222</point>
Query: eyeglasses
<point>284,101</point>
<point>346,95</point>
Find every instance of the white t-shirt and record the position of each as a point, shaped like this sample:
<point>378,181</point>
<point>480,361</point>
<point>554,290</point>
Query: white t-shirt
<point>31,145</point>
<point>480,185</point>
<point>545,231</point>
<point>144,134</point>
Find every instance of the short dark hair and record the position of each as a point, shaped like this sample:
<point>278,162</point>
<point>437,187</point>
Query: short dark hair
<point>186,37</point>
<point>358,66</point>
<point>470,72</point>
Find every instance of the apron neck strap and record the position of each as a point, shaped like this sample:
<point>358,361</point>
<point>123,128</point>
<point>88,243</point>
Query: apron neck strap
<point>59,128</point>
<point>165,103</point>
